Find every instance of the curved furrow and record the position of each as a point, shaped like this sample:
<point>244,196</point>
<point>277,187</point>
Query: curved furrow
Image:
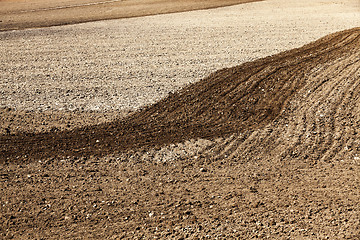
<point>305,129</point>
<point>311,130</point>
<point>350,84</point>
<point>347,121</point>
<point>320,110</point>
<point>230,101</point>
<point>227,81</point>
<point>323,110</point>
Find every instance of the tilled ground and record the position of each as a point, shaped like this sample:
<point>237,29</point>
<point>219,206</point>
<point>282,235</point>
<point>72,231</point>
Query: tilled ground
<point>229,101</point>
<point>266,149</point>
<point>283,163</point>
<point>17,122</point>
<point>122,65</point>
<point>22,14</point>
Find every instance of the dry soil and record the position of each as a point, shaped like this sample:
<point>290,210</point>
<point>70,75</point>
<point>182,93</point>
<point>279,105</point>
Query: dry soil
<point>21,14</point>
<point>265,148</point>
<point>122,65</point>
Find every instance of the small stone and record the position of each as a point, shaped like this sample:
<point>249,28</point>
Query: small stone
<point>203,170</point>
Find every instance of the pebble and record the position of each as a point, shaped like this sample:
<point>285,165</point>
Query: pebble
<point>203,170</point>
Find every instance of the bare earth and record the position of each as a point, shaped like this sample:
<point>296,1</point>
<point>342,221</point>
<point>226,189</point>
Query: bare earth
<point>267,147</point>
<point>122,65</point>
<point>20,14</point>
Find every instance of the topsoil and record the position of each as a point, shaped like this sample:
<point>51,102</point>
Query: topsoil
<point>277,156</point>
<point>21,14</point>
<point>266,149</point>
<point>229,101</point>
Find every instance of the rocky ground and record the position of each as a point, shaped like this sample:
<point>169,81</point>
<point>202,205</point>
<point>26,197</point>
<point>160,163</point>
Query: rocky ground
<point>265,148</point>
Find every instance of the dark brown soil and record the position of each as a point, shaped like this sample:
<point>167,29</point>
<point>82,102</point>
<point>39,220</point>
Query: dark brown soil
<point>268,149</point>
<point>229,101</point>
<point>29,122</point>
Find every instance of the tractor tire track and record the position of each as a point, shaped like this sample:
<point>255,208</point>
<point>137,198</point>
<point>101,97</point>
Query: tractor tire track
<point>237,100</point>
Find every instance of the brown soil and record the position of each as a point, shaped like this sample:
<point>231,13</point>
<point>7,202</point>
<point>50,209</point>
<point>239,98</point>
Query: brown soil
<point>267,149</point>
<point>17,122</point>
<point>229,101</point>
<point>20,14</point>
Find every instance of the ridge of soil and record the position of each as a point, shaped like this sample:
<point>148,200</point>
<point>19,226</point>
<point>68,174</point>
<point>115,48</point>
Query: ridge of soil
<point>233,100</point>
<point>17,15</point>
<point>276,166</point>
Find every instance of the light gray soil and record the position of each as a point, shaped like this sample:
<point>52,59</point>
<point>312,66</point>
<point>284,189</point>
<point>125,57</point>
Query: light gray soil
<point>128,63</point>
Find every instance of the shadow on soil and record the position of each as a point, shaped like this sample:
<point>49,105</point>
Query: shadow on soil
<point>231,100</point>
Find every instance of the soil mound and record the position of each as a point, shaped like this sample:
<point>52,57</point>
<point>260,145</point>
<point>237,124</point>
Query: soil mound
<point>234,100</point>
<point>281,159</point>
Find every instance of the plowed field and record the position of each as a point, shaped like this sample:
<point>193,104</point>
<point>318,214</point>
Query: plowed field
<point>21,14</point>
<point>269,148</point>
<point>234,100</point>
